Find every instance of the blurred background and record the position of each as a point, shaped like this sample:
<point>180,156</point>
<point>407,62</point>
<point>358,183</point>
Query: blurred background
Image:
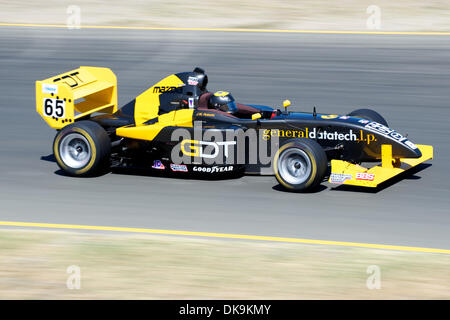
<point>402,15</point>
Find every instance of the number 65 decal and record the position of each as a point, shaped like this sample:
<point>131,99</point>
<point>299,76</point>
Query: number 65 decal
<point>54,108</point>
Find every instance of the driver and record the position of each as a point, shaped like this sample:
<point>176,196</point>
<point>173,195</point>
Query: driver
<point>222,101</point>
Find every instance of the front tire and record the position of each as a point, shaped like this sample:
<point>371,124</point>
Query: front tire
<point>300,165</point>
<point>369,114</point>
<point>82,148</point>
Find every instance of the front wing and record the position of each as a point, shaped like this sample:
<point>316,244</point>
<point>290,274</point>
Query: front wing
<point>343,172</point>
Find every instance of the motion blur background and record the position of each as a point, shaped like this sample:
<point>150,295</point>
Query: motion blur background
<point>405,77</point>
<point>401,15</point>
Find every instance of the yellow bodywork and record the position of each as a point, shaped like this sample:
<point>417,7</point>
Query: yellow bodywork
<point>147,103</point>
<point>147,108</point>
<point>63,99</point>
<point>357,175</point>
<point>178,118</point>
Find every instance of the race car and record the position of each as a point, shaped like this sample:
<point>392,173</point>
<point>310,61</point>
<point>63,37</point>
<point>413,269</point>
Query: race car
<point>178,126</point>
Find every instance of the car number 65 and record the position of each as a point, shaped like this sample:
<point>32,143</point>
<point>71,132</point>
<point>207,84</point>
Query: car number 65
<point>54,108</point>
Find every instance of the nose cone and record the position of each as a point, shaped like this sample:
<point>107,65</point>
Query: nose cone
<point>406,150</point>
<point>417,153</point>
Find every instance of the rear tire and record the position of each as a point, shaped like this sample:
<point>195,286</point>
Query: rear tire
<point>300,165</point>
<point>369,114</point>
<point>82,148</point>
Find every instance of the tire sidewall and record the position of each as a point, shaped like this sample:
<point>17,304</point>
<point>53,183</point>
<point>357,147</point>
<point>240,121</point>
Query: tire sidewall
<point>305,147</point>
<point>369,114</point>
<point>98,150</point>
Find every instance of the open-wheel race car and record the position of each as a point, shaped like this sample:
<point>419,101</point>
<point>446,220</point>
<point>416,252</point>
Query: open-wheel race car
<point>177,125</point>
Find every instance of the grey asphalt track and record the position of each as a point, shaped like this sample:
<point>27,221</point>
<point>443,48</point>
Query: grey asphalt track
<point>405,78</point>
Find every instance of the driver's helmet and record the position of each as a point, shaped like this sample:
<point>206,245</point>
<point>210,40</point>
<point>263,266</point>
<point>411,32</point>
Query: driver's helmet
<point>222,101</point>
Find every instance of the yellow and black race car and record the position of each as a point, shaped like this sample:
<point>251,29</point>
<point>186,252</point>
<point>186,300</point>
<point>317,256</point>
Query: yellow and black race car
<point>177,125</point>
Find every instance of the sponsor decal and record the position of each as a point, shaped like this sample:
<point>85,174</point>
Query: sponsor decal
<point>344,117</point>
<point>387,132</point>
<point>366,137</point>
<point>191,103</point>
<point>205,114</point>
<point>162,89</point>
<point>193,81</point>
<point>320,135</point>
<point>49,88</point>
<point>363,121</point>
<point>213,169</point>
<point>72,79</point>
<point>221,147</point>
<point>325,135</point>
<point>178,167</point>
<point>330,116</point>
<point>365,176</point>
<point>157,164</point>
<point>197,148</point>
<point>410,144</point>
<point>340,177</point>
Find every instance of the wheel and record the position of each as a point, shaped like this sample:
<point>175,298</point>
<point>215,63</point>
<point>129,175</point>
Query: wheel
<point>82,148</point>
<point>369,114</point>
<point>300,164</point>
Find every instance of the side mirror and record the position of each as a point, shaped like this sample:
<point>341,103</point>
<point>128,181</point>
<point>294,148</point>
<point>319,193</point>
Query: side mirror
<point>256,116</point>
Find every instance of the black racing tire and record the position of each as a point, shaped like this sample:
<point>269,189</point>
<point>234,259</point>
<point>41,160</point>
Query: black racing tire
<point>82,149</point>
<point>300,164</point>
<point>369,114</point>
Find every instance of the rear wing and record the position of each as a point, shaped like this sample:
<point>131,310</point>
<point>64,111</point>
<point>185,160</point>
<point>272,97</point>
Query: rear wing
<point>65,98</point>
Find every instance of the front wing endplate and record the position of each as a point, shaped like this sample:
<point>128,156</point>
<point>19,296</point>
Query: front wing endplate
<point>347,173</point>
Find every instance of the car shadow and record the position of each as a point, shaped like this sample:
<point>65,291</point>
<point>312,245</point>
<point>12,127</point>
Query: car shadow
<point>49,158</point>
<point>407,175</point>
<point>59,172</point>
<point>149,173</point>
<point>143,172</point>
<point>317,189</point>
<point>62,173</point>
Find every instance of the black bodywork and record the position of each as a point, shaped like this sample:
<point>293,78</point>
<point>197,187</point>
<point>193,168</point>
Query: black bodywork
<point>348,138</point>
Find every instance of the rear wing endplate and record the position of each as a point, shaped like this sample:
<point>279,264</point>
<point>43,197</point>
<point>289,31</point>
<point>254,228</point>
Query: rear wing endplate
<point>66,98</point>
